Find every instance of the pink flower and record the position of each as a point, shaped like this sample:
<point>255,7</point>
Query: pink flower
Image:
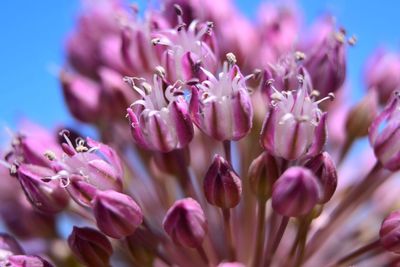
<point>294,125</point>
<point>221,106</point>
<point>160,120</point>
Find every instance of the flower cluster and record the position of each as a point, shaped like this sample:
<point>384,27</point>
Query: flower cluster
<point>214,147</point>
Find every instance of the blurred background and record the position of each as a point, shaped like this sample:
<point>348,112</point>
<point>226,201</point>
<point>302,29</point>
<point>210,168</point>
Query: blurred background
<point>33,35</point>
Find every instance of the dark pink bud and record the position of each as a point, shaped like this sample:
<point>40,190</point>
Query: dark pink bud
<point>390,232</point>
<point>362,115</point>
<point>82,96</point>
<point>325,170</point>
<point>117,215</point>
<point>384,135</point>
<point>26,260</point>
<point>297,131</point>
<point>9,246</point>
<point>116,95</point>
<point>326,60</point>
<point>263,172</point>
<point>90,246</point>
<point>47,196</point>
<point>222,185</point>
<point>382,74</point>
<point>185,223</point>
<point>295,193</point>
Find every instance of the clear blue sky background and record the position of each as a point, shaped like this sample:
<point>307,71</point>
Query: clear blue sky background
<point>32,35</point>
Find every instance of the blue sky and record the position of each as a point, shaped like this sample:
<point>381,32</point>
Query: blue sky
<point>33,32</point>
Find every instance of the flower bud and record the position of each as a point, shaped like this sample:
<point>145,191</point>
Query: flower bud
<point>390,232</point>
<point>326,59</point>
<point>82,96</point>
<point>295,193</point>
<point>142,245</point>
<point>222,185</point>
<point>325,170</point>
<point>382,74</point>
<point>48,197</point>
<point>9,246</point>
<point>185,223</point>
<point>117,215</point>
<point>222,107</point>
<point>263,172</point>
<point>27,260</point>
<point>294,125</point>
<point>90,246</point>
<point>384,135</point>
<point>361,116</point>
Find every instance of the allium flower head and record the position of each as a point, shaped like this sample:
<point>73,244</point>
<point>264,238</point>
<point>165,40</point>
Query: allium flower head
<point>294,125</point>
<point>160,120</point>
<point>221,106</point>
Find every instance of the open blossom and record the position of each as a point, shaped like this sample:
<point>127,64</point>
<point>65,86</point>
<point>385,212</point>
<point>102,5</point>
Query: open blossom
<point>384,134</point>
<point>294,125</point>
<point>160,120</point>
<point>285,74</point>
<point>326,57</point>
<point>221,106</point>
<point>187,49</point>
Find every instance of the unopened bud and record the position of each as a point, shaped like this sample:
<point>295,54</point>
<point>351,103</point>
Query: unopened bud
<point>186,223</point>
<point>222,185</point>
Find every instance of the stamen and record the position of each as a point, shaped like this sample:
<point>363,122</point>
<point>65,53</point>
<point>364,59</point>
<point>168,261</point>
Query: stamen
<point>65,133</point>
<point>231,59</point>
<point>330,96</point>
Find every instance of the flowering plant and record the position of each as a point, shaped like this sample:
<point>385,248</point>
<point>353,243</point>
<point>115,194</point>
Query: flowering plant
<point>221,144</point>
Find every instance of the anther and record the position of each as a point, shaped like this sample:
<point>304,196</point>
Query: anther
<point>160,71</point>
<point>315,93</point>
<point>231,58</point>
<point>299,56</point>
<point>155,41</point>
<point>50,155</point>
<point>178,10</point>
<point>352,40</point>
